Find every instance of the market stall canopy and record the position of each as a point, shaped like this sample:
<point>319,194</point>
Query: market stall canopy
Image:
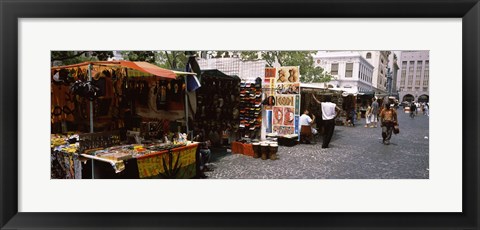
<point>319,89</point>
<point>135,69</point>
<point>148,68</point>
<point>217,73</point>
<point>369,93</point>
<point>318,86</point>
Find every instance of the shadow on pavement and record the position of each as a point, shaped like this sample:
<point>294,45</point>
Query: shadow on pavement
<point>218,153</point>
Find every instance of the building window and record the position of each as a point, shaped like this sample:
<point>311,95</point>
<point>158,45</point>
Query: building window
<point>419,73</point>
<point>349,70</point>
<point>403,75</point>
<point>369,55</point>
<point>410,72</point>
<point>426,74</point>
<point>334,69</point>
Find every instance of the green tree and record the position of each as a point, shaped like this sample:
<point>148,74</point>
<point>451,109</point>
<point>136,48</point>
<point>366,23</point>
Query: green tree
<point>165,59</point>
<point>147,56</point>
<point>74,57</point>
<point>176,60</point>
<point>304,59</point>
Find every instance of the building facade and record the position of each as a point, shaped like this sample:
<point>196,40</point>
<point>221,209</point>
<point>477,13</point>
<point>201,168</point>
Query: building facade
<point>350,71</point>
<point>413,81</point>
<point>394,70</point>
<point>379,60</point>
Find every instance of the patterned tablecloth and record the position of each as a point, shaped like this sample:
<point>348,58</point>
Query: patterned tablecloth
<point>174,163</point>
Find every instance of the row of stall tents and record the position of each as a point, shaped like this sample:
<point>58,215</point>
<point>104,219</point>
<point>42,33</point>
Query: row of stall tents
<point>75,81</point>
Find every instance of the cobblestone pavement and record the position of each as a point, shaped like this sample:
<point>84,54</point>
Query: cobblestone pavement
<point>354,153</point>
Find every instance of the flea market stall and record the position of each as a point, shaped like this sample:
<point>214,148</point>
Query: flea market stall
<point>307,102</point>
<point>217,102</point>
<point>363,101</point>
<point>119,119</point>
<point>282,104</point>
<point>256,100</point>
<point>249,112</point>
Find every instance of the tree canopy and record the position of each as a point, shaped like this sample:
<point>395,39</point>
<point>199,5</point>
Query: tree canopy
<point>146,56</point>
<point>164,59</point>
<point>178,60</point>
<point>73,57</point>
<point>308,72</point>
<point>172,59</point>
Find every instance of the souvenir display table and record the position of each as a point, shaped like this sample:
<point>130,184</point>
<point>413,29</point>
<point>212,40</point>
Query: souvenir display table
<point>155,161</point>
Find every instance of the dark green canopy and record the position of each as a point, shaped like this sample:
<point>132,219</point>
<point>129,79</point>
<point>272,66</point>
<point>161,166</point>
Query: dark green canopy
<point>215,73</point>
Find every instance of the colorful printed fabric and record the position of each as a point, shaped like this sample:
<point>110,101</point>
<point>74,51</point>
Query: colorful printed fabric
<point>153,165</point>
<point>65,165</point>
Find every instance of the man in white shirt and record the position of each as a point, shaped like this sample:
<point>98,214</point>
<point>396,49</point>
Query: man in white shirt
<point>306,130</point>
<point>329,112</point>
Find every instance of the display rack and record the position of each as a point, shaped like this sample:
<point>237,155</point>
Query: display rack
<point>250,109</point>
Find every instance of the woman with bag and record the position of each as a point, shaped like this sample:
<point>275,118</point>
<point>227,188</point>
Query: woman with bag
<point>368,115</point>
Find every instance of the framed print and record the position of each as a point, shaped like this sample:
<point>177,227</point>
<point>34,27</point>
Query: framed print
<point>447,198</point>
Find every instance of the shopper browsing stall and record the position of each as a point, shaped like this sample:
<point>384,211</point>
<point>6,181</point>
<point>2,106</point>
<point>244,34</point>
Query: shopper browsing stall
<point>329,112</point>
<point>306,129</point>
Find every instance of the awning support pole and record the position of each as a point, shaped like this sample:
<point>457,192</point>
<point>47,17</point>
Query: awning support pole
<point>91,115</point>
<point>186,105</point>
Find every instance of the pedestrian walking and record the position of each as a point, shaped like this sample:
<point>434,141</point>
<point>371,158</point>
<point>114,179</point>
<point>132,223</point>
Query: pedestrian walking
<point>375,111</point>
<point>368,114</point>
<point>388,119</point>
<point>413,110</point>
<point>352,116</point>
<point>426,110</point>
<point>329,112</point>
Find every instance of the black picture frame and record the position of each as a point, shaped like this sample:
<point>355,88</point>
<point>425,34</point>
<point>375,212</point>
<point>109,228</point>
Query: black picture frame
<point>11,11</point>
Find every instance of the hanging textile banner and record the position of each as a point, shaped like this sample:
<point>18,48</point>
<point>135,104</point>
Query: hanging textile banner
<point>269,79</point>
<point>286,90</point>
